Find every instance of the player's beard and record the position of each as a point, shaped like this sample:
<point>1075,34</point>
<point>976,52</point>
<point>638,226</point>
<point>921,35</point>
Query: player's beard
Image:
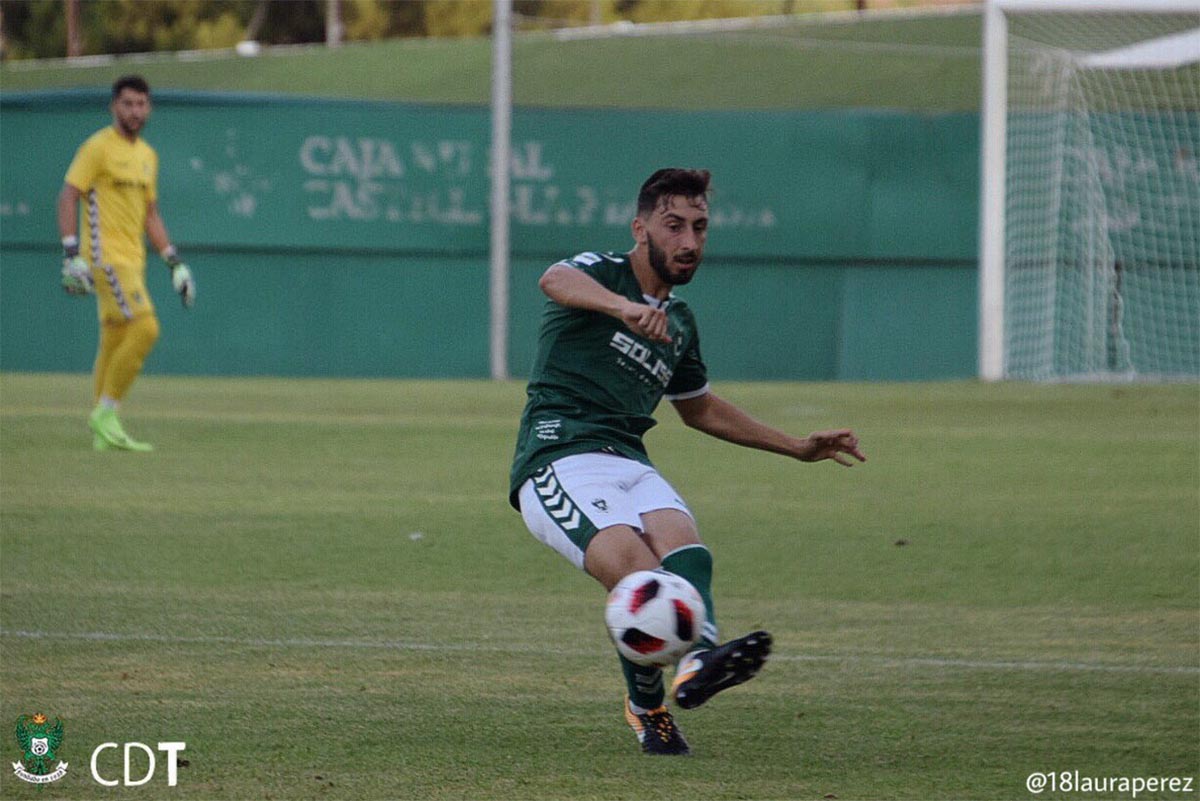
<point>658,263</point>
<point>131,128</point>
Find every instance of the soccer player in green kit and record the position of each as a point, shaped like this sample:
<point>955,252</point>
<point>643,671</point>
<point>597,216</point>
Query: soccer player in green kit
<point>614,341</point>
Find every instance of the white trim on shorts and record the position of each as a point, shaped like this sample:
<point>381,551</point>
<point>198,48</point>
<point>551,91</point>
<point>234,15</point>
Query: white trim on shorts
<point>568,502</point>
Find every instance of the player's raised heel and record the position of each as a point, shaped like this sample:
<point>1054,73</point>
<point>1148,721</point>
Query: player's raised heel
<point>703,674</point>
<point>657,732</point>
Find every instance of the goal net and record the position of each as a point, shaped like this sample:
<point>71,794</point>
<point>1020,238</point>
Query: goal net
<point>1099,191</point>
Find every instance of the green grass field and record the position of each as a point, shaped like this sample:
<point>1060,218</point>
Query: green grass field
<point>319,586</point>
<point>924,62</point>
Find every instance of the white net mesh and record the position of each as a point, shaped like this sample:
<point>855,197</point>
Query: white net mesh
<point>1102,239</point>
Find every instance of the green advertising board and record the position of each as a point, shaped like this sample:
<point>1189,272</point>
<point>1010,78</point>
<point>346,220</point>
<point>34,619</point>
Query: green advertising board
<point>329,236</point>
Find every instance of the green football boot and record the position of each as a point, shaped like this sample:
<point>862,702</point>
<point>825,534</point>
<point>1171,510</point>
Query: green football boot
<point>105,425</point>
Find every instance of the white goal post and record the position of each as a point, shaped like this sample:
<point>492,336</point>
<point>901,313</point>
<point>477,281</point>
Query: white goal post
<point>1090,205</point>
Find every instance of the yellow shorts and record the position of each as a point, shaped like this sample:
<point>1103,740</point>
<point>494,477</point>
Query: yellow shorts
<point>121,292</point>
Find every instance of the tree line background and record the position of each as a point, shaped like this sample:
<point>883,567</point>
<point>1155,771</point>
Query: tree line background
<point>57,28</point>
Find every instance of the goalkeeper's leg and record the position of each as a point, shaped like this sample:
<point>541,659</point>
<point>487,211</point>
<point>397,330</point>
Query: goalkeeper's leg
<point>125,363</point>
<point>119,359</point>
<point>111,336</point>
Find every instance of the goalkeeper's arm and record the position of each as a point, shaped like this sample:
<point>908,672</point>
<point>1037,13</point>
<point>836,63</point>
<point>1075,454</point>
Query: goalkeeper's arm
<point>76,274</point>
<point>181,276</point>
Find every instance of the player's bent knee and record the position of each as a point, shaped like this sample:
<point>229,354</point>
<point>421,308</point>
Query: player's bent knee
<point>146,329</point>
<point>668,529</point>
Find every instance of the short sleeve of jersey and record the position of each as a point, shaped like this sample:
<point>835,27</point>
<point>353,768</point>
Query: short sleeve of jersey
<point>152,184</point>
<point>605,270</point>
<point>86,166</point>
<point>690,379</point>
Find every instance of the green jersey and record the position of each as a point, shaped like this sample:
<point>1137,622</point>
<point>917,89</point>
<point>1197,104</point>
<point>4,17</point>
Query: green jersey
<point>595,384</point>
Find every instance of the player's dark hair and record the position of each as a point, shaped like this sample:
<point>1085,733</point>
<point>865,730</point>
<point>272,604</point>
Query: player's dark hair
<point>135,82</point>
<point>671,181</point>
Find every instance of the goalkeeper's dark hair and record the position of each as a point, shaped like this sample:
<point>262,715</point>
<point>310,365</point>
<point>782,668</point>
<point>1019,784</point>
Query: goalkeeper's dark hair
<point>671,181</point>
<point>135,82</point>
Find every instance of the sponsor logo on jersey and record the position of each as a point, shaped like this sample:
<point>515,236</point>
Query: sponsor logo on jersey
<point>124,183</point>
<point>547,429</point>
<point>641,354</point>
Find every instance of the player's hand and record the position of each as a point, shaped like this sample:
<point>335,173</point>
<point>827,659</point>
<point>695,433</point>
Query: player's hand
<point>77,276</point>
<point>184,284</point>
<point>647,321</point>
<point>835,445</point>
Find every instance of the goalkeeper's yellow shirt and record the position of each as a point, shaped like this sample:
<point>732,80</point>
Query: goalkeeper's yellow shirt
<point>118,179</point>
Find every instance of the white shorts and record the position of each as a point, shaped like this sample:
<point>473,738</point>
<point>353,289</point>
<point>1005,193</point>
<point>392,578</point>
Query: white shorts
<point>568,502</point>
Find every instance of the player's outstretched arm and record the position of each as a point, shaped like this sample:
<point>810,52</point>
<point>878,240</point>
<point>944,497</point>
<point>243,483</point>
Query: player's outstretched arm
<point>723,420</point>
<point>568,286</point>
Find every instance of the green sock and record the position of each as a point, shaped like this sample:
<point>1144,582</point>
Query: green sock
<point>645,684</point>
<point>694,563</point>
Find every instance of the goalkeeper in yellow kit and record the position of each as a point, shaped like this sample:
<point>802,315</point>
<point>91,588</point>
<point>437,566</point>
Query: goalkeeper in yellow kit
<point>115,174</point>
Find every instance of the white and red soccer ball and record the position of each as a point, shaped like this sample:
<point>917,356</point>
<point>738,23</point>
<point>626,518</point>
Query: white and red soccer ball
<point>654,617</point>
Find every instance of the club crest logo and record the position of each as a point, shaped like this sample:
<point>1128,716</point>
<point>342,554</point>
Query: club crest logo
<point>39,740</point>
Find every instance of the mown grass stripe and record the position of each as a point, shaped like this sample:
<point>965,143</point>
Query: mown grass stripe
<point>473,647</point>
